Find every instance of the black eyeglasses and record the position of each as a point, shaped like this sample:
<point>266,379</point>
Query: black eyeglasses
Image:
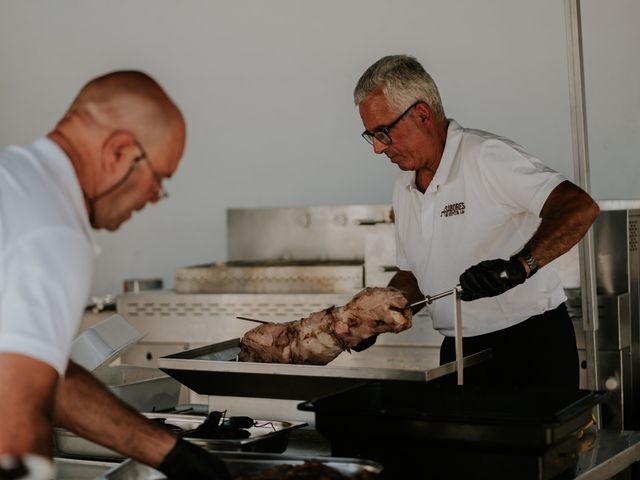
<point>143,156</point>
<point>382,133</point>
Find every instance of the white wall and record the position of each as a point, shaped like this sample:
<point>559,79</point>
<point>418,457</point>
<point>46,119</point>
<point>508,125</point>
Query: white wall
<point>266,90</point>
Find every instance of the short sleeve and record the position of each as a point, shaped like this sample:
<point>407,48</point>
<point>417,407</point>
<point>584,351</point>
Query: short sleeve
<point>47,279</point>
<point>515,179</point>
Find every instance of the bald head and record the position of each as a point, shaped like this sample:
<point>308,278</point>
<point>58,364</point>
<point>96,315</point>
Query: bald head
<point>134,102</point>
<point>115,121</point>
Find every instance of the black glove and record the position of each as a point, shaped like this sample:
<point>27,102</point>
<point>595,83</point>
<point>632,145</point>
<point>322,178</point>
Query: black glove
<point>491,278</point>
<point>186,460</point>
<point>366,343</point>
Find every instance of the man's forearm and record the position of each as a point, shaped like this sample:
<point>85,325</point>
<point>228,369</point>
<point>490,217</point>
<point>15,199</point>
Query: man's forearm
<point>406,282</point>
<point>27,390</point>
<point>84,406</point>
<point>566,216</point>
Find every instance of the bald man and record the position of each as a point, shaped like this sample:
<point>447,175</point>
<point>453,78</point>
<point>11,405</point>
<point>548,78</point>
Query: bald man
<point>106,158</point>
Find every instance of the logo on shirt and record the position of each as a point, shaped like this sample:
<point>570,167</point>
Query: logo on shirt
<point>452,209</point>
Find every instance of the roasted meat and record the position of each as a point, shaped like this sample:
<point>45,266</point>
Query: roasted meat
<point>321,337</point>
<point>310,470</point>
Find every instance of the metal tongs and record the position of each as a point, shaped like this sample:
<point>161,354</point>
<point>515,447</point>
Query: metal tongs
<point>457,324</point>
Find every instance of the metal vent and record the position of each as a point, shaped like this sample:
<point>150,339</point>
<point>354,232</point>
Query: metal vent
<point>261,311</point>
<point>265,307</point>
<point>633,235</point>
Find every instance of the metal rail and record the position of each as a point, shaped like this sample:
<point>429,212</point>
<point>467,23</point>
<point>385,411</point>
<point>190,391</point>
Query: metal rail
<point>582,178</point>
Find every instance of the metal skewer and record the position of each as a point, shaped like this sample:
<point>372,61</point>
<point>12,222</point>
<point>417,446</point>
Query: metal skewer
<point>457,324</point>
<point>251,320</point>
<point>430,298</point>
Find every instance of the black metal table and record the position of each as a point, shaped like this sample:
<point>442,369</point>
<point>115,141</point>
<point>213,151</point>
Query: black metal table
<point>603,453</point>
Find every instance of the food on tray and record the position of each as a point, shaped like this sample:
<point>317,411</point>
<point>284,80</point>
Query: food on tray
<point>215,426</point>
<point>321,337</point>
<point>310,470</point>
<point>163,422</point>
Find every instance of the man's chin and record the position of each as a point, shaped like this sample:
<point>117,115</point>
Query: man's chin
<point>111,225</point>
<point>404,168</point>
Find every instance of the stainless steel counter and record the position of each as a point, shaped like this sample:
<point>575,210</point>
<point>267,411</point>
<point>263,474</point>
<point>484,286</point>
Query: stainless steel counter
<point>603,455</point>
<point>607,453</point>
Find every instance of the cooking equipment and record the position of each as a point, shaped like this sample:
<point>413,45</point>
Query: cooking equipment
<point>76,469</point>
<point>617,333</point>
<point>297,276</point>
<point>268,436</point>
<point>431,298</point>
<point>136,285</point>
<point>457,325</point>
<point>103,342</point>
<point>423,427</point>
<point>215,370</point>
<point>143,388</point>
<point>246,463</point>
<point>146,389</point>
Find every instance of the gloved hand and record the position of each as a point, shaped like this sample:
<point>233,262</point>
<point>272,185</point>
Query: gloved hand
<point>491,278</point>
<point>186,460</point>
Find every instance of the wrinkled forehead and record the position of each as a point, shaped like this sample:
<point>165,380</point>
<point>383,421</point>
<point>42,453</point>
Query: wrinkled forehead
<point>375,110</point>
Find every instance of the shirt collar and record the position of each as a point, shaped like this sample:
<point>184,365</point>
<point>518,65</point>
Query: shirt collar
<point>454,137</point>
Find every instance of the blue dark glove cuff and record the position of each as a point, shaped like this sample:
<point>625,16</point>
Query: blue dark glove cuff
<point>186,460</point>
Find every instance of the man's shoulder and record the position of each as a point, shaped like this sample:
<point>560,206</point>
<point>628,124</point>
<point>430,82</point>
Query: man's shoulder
<point>474,137</point>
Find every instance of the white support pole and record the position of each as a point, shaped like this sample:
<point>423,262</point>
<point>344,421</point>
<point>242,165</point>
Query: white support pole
<point>582,178</point>
<point>457,316</point>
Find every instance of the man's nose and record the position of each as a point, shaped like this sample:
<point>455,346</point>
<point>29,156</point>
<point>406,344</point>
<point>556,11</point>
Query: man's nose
<point>378,146</point>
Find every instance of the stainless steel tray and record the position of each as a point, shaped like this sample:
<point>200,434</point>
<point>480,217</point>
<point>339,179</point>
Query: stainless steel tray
<point>215,370</point>
<point>269,436</point>
<point>245,463</point>
<point>146,389</point>
<point>73,469</point>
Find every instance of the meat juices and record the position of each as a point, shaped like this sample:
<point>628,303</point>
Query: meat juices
<point>321,337</point>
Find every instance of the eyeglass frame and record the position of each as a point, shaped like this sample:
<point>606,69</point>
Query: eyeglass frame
<point>370,135</point>
<point>156,176</point>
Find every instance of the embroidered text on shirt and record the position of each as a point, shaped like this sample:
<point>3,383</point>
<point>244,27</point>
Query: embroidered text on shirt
<point>453,209</point>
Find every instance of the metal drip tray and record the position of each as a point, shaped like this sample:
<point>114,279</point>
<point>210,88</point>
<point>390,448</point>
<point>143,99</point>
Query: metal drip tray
<point>215,370</point>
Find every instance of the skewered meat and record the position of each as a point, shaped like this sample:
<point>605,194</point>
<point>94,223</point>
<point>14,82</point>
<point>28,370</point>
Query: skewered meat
<point>321,337</point>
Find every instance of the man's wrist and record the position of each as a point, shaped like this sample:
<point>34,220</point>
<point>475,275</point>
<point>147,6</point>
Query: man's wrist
<point>527,260</point>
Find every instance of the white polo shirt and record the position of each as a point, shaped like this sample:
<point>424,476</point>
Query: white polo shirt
<point>46,252</point>
<point>483,203</point>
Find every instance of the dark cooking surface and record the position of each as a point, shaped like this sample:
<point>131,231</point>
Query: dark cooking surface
<point>469,404</point>
<point>414,412</point>
<point>439,431</point>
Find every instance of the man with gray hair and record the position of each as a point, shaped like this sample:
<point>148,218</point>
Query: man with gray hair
<point>476,209</point>
<point>105,159</point>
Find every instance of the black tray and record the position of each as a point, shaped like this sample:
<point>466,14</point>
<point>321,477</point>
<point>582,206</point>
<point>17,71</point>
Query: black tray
<point>422,412</point>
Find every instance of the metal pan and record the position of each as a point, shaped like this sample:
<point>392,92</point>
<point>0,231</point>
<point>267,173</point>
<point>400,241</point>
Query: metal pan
<point>73,469</point>
<point>269,436</point>
<point>215,370</point>
<point>247,463</point>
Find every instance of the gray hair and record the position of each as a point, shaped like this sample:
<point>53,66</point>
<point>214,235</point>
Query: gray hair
<point>403,81</point>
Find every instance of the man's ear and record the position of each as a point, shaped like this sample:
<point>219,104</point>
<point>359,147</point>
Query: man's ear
<point>118,151</point>
<point>424,112</point>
